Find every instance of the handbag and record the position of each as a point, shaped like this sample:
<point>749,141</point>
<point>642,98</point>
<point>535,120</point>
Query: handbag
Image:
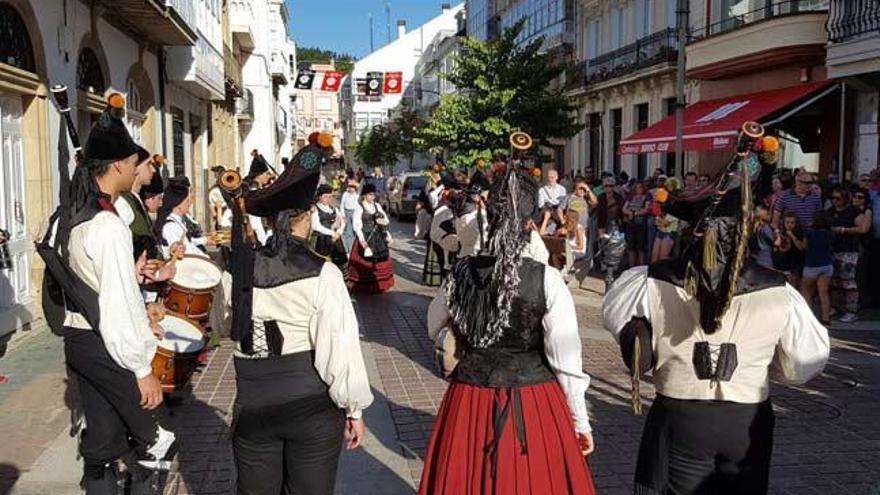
<point>446,352</point>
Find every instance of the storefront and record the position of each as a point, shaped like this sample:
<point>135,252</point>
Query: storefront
<point>805,117</point>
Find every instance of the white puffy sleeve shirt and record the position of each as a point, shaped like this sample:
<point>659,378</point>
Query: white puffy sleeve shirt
<point>562,342</point>
<point>175,231</point>
<point>101,254</point>
<point>315,314</point>
<point>801,351</point>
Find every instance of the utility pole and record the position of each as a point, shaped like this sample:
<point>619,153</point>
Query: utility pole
<point>683,12</point>
<point>371,33</point>
<point>388,20</point>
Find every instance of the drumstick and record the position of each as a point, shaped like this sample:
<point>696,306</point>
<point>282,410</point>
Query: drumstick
<point>174,259</point>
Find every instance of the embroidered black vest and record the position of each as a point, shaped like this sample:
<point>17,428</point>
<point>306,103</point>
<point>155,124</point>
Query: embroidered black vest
<point>517,358</point>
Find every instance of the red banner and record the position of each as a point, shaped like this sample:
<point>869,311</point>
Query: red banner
<point>331,82</point>
<point>393,82</point>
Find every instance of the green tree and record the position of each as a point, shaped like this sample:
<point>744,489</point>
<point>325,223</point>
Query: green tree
<point>385,144</point>
<point>502,87</point>
<point>343,61</point>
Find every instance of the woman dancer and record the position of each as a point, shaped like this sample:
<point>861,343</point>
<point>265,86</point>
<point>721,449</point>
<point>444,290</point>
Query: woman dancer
<point>371,270</point>
<point>328,225</point>
<point>514,419</point>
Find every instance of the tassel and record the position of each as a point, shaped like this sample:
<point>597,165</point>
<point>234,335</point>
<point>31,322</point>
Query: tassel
<point>636,396</point>
<point>690,280</point>
<point>710,239</point>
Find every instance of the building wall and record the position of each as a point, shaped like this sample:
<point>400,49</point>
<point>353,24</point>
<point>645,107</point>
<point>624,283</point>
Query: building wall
<point>317,111</point>
<point>401,55</point>
<point>57,36</point>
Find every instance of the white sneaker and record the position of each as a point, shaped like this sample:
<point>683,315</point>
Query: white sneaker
<point>160,454</point>
<point>848,318</point>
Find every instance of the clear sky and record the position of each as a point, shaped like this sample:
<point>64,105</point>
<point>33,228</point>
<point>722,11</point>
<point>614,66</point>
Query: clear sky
<point>344,25</point>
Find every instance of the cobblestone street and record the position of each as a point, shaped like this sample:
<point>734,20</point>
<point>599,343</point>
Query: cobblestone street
<point>827,433</point>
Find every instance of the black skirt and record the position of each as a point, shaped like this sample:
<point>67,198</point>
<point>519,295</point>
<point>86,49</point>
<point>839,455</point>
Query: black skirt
<point>335,250</point>
<point>432,270</point>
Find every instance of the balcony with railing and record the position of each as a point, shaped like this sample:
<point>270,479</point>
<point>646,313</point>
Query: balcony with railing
<point>199,68</point>
<point>241,22</point>
<point>655,50</point>
<point>778,32</point>
<point>854,35</point>
<point>244,106</point>
<point>160,22</point>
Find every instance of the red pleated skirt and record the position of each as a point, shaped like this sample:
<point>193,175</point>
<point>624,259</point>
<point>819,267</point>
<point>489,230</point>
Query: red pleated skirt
<point>366,276</point>
<point>459,461</point>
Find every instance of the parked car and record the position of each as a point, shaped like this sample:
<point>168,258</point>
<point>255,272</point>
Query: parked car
<point>404,194</point>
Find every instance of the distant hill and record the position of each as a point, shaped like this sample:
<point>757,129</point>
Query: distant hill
<point>343,61</point>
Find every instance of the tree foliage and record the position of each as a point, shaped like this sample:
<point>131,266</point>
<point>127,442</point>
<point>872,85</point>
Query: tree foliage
<point>502,87</point>
<point>385,144</point>
<point>343,61</point>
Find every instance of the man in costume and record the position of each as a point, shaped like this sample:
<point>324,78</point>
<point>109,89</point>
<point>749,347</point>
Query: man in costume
<point>108,342</point>
<point>259,176</point>
<point>300,375</point>
<point>443,232</point>
<point>514,418</point>
<point>713,326</point>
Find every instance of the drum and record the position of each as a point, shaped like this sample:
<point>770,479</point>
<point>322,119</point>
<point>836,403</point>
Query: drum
<point>176,357</point>
<point>191,291</point>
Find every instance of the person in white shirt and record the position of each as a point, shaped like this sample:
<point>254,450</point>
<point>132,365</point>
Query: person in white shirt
<point>109,342</point>
<point>371,270</point>
<point>328,225</point>
<point>349,204</point>
<point>216,201</point>
<point>170,223</point>
<point>713,327</point>
<point>552,193</point>
<point>519,370</point>
<point>259,176</point>
<point>301,382</point>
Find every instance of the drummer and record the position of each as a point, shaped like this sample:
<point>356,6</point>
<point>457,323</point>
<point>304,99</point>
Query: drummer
<point>170,226</point>
<point>151,192</point>
<point>133,212</point>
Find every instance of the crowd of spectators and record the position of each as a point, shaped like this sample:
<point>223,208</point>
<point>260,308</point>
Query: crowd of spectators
<point>823,234</point>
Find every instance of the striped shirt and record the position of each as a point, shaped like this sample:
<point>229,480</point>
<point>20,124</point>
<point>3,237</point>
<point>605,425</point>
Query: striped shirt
<point>804,207</point>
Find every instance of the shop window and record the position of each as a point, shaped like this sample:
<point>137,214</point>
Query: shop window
<point>16,49</point>
<point>134,118</point>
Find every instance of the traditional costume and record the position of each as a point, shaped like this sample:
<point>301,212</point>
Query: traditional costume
<point>108,343</point>
<point>713,326</point>
<point>133,212</point>
<point>432,268</point>
<point>329,222</point>
<point>371,270</point>
<point>172,227</point>
<point>298,362</point>
<point>508,421</point>
<point>259,166</point>
<point>443,232</point>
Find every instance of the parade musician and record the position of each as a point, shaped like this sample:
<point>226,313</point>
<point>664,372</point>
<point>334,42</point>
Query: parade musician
<point>713,326</point>
<point>108,342</point>
<point>300,375</point>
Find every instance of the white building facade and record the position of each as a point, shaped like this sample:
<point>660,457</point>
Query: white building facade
<point>268,82</point>
<point>317,110</point>
<point>361,112</point>
<point>92,48</point>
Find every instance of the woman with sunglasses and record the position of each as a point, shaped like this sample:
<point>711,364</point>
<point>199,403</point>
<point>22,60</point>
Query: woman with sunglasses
<point>843,216</point>
<point>863,224</point>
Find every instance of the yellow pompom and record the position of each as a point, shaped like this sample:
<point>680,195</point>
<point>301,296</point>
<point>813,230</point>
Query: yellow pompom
<point>661,195</point>
<point>771,144</point>
<point>116,100</point>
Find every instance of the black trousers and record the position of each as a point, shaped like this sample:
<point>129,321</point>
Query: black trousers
<point>694,447</point>
<point>290,449</point>
<point>117,427</point>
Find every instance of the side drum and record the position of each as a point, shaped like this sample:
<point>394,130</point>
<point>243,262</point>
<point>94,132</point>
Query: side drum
<point>176,357</point>
<point>191,291</point>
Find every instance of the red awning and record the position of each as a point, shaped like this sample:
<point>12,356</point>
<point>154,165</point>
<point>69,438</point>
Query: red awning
<point>714,124</point>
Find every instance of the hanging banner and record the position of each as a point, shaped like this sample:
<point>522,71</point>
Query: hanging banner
<point>332,81</point>
<point>374,84</point>
<point>393,82</point>
<point>305,79</point>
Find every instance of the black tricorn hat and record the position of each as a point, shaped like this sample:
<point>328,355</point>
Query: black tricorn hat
<point>295,187</point>
<point>109,139</point>
<point>324,189</point>
<point>143,154</point>
<point>176,191</point>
